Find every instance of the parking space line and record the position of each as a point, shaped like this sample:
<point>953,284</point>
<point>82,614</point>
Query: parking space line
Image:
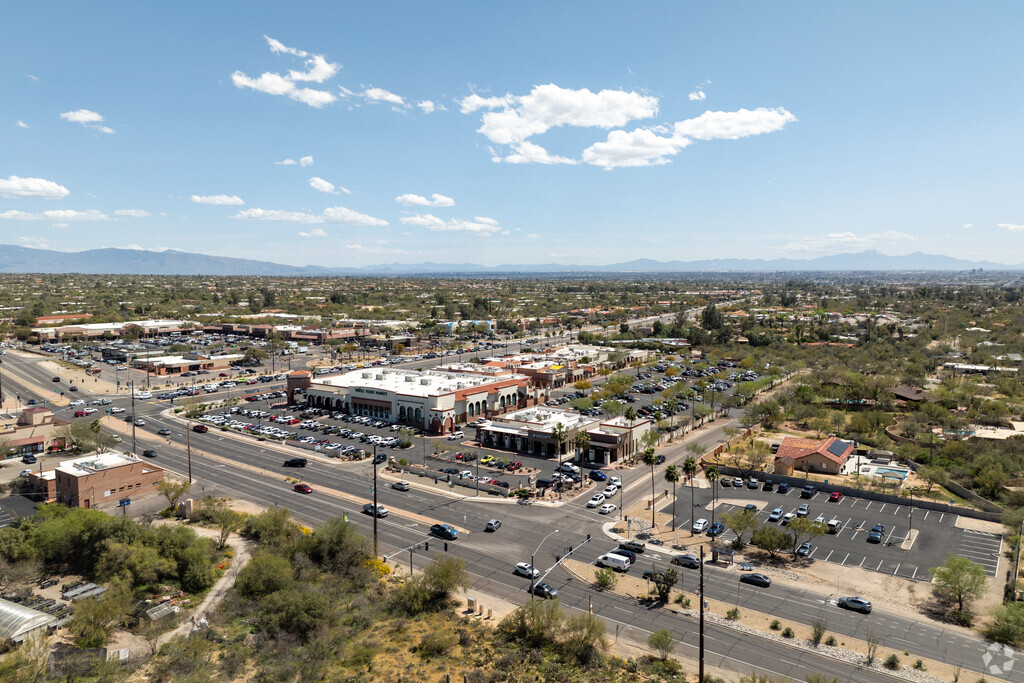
<point>890,535</point>
<point>897,569</point>
<point>862,562</point>
<point>941,515</point>
<point>882,509</point>
<point>914,574</point>
<point>868,506</point>
<point>829,554</point>
<point>926,513</point>
<point>845,558</point>
<point>879,567</point>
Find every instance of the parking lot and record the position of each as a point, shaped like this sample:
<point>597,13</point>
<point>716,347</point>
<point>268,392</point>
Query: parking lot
<point>937,535</point>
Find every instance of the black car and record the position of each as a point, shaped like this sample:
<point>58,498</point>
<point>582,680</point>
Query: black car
<point>756,580</point>
<point>622,552</point>
<point>73,387</point>
<point>855,604</point>
<point>783,488</point>
<point>149,453</point>
<point>445,531</point>
<point>29,459</point>
<point>875,535</point>
<point>768,485</point>
<point>688,561</point>
<point>653,575</point>
<point>295,462</point>
<point>545,590</point>
<point>380,458</point>
<point>808,491</point>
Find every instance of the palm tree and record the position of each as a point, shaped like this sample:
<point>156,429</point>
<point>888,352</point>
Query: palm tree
<point>582,441</point>
<point>712,476</point>
<point>672,476</point>
<point>630,415</point>
<point>690,470</point>
<point>559,436</point>
<point>651,459</point>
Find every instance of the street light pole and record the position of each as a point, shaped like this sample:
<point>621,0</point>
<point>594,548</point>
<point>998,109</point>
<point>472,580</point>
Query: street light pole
<point>134,451</point>
<point>374,465</point>
<point>533,568</point>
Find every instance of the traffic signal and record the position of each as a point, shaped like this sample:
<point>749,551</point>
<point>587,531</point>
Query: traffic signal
<point>426,545</point>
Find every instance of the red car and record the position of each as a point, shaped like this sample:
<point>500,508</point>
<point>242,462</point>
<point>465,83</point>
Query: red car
<point>80,413</point>
<point>513,466</point>
<point>835,496</point>
<point>303,488</point>
<point>202,429</point>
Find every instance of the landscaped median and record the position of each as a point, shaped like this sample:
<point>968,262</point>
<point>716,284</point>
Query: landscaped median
<point>844,648</point>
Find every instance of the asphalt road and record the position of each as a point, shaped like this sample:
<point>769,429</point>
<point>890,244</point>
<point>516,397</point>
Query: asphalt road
<point>251,470</point>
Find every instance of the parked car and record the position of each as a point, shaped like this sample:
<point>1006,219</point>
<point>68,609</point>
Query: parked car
<point>783,487</point>
<point>513,466</point>
<point>855,604</point>
<point>788,517</point>
<point>493,525</point>
<point>805,549</point>
<point>803,510</point>
<point>875,535</point>
<point>835,496</point>
<point>455,436</point>
<point>808,491</point>
<point>756,579</point>
<point>752,483</point>
<point>303,488</point>
<point>769,485</point>
<point>726,482</point>
<point>700,525</point>
<point>716,529</point>
<point>29,459</point>
<point>737,482</point>
<point>776,515</point>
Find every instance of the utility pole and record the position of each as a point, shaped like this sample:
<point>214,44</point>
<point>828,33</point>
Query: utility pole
<point>700,669</point>
<point>134,451</point>
<point>374,465</point>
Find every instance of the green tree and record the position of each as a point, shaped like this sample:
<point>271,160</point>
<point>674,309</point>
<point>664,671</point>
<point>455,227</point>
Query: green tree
<point>173,490</point>
<point>770,539</point>
<point>672,476</point>
<point>711,474</point>
<point>711,318</point>
<point>991,481</point>
<point>584,638</point>
<point>651,459</point>
<point>444,575</point>
<point>265,573</point>
<point>690,470</point>
<point>559,434</point>
<point>804,529</point>
<point>606,578</point>
<point>740,521</point>
<point>663,583</point>
<point>535,624</point>
<point>227,521</point>
<point>662,642</point>
<point>960,580</point>
<point>582,441</point>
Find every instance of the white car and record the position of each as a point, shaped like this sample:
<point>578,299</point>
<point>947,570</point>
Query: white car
<point>455,436</point>
<point>607,508</point>
<point>117,410</point>
<point>89,411</point>
<point>596,500</point>
<point>526,569</point>
<point>610,491</point>
<point>143,395</point>
<point>78,402</point>
<point>139,422</point>
<point>615,481</point>
<point>700,525</point>
<point>788,517</point>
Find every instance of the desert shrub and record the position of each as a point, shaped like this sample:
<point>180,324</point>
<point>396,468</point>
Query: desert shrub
<point>787,632</point>
<point>892,662</point>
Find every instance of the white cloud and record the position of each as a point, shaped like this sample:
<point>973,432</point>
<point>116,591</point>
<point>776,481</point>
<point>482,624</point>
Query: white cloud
<point>276,215</point>
<point>645,147</point>
<point>315,232</point>
<point>218,199</point>
<point>1010,226</point>
<point>277,47</point>
<point>531,236</point>
<point>22,124</point>
<point>427,106</point>
<point>733,125</point>
<point>527,152</point>
<point>34,241</point>
<point>89,119</point>
<point>34,78</point>
<point>14,187</point>
<point>339,214</point>
<point>481,225</point>
<point>849,241</point>
<point>318,70</point>
<point>697,96</point>
<point>56,215</point>
<point>333,214</point>
<point>382,95</point>
<point>549,106</point>
<point>132,213</point>
<point>968,225</point>
<point>322,185</point>
<point>303,161</point>
<point>436,200</point>
<point>640,147</point>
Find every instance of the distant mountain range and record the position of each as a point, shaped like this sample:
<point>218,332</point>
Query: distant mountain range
<point>15,259</point>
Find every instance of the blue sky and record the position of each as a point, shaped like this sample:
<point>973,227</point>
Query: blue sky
<point>347,134</point>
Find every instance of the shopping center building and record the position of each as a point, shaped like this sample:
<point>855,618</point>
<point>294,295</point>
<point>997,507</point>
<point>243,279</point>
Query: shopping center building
<point>433,400</point>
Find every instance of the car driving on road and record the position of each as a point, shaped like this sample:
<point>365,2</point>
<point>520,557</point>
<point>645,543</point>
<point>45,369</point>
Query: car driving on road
<point>756,579</point>
<point>855,604</point>
<point>526,569</point>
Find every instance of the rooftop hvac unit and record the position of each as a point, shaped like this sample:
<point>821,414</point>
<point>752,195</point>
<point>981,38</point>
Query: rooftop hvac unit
<point>410,378</point>
<point>367,375</point>
<point>378,377</point>
<point>425,381</point>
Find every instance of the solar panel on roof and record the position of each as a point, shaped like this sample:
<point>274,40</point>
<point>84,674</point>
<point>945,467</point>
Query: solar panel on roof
<point>837,448</point>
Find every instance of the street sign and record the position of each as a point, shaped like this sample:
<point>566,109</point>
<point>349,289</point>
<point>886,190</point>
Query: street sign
<point>124,502</point>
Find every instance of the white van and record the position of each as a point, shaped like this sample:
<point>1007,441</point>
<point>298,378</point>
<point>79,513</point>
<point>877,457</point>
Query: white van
<point>616,562</point>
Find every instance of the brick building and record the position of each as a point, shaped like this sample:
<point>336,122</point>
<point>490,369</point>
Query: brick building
<point>35,431</point>
<point>96,481</point>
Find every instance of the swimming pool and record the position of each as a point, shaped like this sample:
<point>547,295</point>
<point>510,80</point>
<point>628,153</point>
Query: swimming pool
<point>902,474</point>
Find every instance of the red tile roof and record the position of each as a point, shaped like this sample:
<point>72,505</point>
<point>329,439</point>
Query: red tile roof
<point>796,448</point>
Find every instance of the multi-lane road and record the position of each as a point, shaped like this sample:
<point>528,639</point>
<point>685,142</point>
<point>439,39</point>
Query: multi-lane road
<point>244,468</point>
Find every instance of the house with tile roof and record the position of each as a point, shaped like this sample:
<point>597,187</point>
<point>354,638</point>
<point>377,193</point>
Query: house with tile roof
<point>825,456</point>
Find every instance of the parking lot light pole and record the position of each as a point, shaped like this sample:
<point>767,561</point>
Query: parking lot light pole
<point>374,465</point>
<point>533,568</point>
<point>911,532</point>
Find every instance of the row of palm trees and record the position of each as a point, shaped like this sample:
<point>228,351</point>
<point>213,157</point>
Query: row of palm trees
<point>673,474</point>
